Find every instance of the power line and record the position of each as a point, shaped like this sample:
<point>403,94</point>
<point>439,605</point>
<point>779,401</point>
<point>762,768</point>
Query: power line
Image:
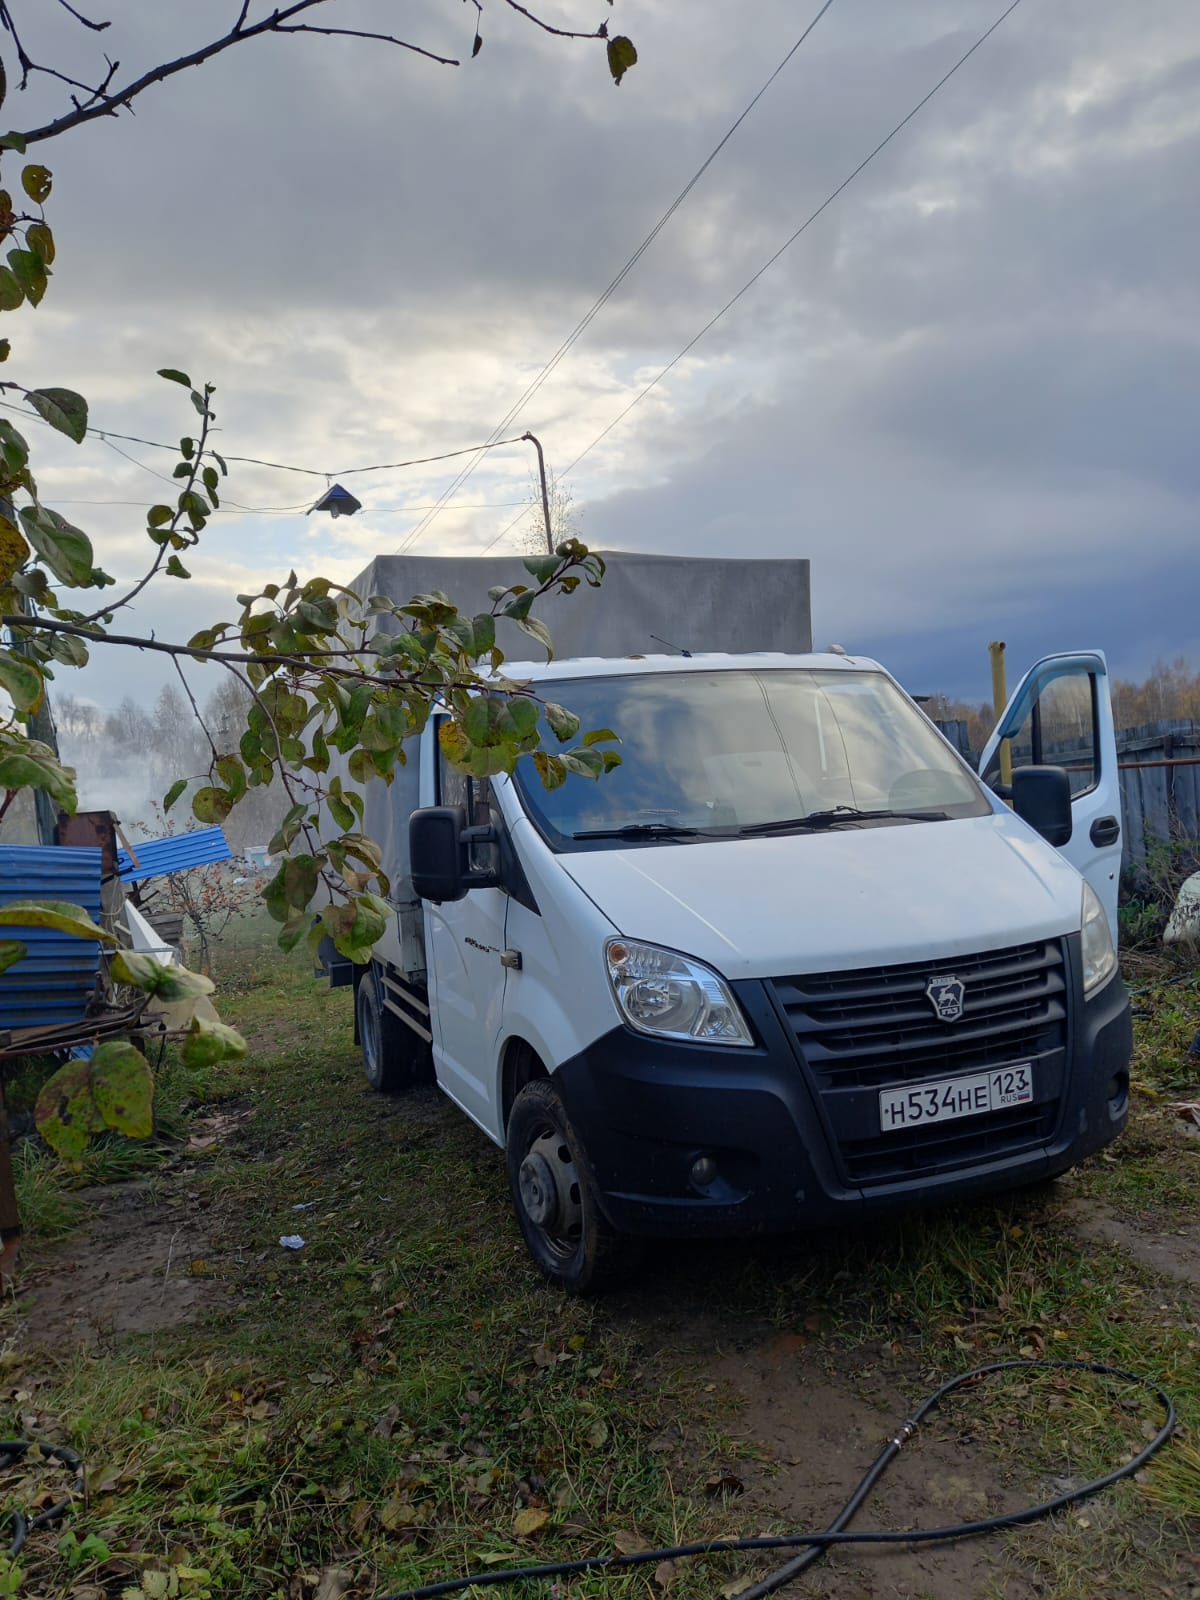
<point>787,244</point>
<point>229,507</point>
<point>585,321</point>
<point>106,435</point>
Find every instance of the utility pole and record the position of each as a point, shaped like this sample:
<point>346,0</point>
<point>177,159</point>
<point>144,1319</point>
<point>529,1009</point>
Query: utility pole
<point>537,444</point>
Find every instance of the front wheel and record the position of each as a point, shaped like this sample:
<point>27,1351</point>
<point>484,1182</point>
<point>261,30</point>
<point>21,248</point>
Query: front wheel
<point>559,1217</point>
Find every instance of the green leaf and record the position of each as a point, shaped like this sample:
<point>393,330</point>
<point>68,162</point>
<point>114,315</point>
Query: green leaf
<point>173,793</point>
<point>29,769</point>
<point>549,769</point>
<point>40,240</point>
<point>66,1112</point>
<point>621,56</point>
<point>539,631</point>
<point>484,629</point>
<point>13,141</point>
<point>11,951</point>
<point>210,1042</point>
<point>524,714</point>
<point>114,1090</point>
<point>62,409</point>
<point>563,723</point>
<point>11,293</point>
<point>340,811</point>
<point>542,568</point>
<point>139,970</point>
<point>56,914</point>
<point>35,180</point>
<point>162,980</point>
<point>123,1088</point>
<point>300,880</point>
<point>14,552</point>
<point>22,680</point>
<point>159,516</point>
<point>599,736</point>
<point>233,775</point>
<point>5,349</point>
<point>64,548</point>
<point>211,805</point>
<point>30,272</point>
<point>175,376</point>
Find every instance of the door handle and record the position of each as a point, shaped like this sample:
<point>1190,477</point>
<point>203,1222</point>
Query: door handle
<point>1105,831</point>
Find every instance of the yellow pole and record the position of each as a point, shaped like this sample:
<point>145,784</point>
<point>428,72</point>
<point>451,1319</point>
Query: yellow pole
<point>999,701</point>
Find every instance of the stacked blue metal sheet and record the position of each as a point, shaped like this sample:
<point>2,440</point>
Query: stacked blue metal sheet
<point>176,853</point>
<point>54,980</point>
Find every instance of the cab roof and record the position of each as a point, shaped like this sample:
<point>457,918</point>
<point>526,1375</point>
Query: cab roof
<point>704,661</point>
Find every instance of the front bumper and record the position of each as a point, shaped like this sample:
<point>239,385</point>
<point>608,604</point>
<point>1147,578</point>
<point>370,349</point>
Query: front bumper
<point>646,1110</point>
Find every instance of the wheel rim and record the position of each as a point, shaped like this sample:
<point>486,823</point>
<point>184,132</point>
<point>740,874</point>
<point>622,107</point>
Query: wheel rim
<point>368,1033</point>
<point>551,1199</point>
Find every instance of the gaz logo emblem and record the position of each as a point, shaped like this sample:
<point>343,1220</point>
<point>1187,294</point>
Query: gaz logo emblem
<point>947,996</point>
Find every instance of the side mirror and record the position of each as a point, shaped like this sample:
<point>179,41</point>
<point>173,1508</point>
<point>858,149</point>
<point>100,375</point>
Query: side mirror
<point>1041,796</point>
<point>435,852</point>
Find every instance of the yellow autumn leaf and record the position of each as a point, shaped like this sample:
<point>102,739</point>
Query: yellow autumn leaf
<point>529,1521</point>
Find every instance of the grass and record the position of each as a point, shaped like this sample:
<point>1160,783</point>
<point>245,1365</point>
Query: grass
<point>402,1398</point>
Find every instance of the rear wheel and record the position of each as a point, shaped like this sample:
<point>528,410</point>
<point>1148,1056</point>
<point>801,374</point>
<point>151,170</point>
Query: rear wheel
<point>555,1200</point>
<point>394,1057</point>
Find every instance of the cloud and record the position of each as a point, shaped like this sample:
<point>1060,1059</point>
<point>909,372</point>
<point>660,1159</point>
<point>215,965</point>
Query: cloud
<point>966,392</point>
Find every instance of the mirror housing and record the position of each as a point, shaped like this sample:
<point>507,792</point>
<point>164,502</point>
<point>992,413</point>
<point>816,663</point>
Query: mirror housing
<point>1041,796</point>
<point>435,852</point>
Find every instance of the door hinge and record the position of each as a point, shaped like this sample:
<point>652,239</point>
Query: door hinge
<point>511,959</point>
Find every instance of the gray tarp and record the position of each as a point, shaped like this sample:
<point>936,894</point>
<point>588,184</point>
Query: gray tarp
<point>694,603</point>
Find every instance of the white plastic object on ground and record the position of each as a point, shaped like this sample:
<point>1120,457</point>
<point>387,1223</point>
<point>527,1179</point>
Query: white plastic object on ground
<point>1184,925</point>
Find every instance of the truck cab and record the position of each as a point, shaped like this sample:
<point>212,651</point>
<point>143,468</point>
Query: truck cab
<point>791,963</point>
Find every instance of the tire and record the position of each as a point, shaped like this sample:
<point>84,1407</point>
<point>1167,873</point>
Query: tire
<point>394,1057</point>
<point>554,1196</point>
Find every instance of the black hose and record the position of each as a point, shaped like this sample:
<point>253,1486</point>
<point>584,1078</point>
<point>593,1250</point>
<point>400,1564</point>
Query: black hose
<point>22,1525</point>
<point>837,1533</point>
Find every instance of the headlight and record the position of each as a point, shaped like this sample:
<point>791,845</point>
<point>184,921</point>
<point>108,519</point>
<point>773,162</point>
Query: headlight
<point>673,997</point>
<point>1099,957</point>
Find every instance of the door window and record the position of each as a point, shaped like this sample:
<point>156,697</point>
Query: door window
<point>1059,730</point>
<point>474,796</point>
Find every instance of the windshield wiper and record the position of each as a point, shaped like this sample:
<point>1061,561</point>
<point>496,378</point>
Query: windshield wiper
<point>817,820</point>
<point>639,830</point>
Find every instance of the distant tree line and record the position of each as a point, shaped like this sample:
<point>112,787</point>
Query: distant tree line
<point>1171,691</point>
<point>128,757</point>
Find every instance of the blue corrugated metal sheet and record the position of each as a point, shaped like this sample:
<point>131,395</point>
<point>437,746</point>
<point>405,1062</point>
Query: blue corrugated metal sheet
<point>53,981</point>
<point>176,853</point>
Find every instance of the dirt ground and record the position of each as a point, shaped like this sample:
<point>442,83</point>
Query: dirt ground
<point>807,1417</point>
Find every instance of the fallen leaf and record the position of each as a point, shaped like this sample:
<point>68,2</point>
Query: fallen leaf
<point>529,1521</point>
<point>597,1434</point>
<point>629,1544</point>
<point>334,1583</point>
<point>665,1574</point>
<point>724,1483</point>
<point>320,1377</point>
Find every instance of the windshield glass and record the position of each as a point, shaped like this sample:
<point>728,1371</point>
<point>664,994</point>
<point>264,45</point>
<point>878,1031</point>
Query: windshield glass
<point>722,751</point>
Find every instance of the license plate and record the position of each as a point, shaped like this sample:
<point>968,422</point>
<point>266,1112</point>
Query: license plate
<point>950,1098</point>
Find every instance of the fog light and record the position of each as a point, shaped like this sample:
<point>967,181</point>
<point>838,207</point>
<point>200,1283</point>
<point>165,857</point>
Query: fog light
<point>1118,1092</point>
<point>704,1172</point>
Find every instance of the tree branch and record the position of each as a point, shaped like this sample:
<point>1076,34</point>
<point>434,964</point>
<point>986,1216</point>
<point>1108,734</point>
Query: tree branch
<point>105,104</point>
<point>187,689</point>
<point>96,27</point>
<point>357,33</point>
<point>40,624</point>
<point>561,33</point>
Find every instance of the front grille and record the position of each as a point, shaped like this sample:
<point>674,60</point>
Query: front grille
<point>875,1028</point>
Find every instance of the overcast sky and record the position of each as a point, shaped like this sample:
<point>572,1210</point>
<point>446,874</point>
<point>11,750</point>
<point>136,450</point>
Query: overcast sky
<point>968,393</point>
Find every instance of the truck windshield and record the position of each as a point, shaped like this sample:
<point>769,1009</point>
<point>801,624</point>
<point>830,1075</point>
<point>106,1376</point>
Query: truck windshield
<point>710,754</point>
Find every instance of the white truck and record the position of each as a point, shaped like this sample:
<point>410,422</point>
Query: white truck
<point>790,963</point>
